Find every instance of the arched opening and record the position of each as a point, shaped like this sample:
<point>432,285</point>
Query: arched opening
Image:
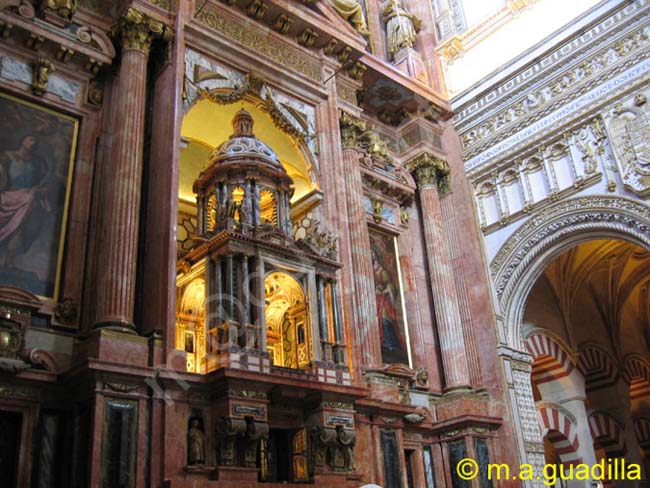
<point>586,323</point>
<point>288,330</point>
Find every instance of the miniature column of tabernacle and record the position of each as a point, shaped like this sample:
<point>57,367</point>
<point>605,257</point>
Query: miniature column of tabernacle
<point>432,175</point>
<point>121,197</point>
<point>366,310</point>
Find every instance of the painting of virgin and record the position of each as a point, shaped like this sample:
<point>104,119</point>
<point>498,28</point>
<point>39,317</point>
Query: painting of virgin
<point>389,299</point>
<point>36,163</point>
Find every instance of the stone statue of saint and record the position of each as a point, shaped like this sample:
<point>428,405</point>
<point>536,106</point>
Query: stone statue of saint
<point>401,26</point>
<point>351,11</point>
<point>196,443</point>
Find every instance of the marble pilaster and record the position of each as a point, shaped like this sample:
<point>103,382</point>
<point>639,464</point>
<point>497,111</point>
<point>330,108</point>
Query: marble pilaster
<point>121,203</point>
<point>432,177</point>
<point>365,305</point>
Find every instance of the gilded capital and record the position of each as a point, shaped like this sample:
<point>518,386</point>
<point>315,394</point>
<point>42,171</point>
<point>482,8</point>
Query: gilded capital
<point>136,30</point>
<point>352,129</point>
<point>430,170</point>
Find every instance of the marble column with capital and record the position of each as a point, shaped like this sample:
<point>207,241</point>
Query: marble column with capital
<point>363,278</point>
<point>120,206</point>
<point>432,176</point>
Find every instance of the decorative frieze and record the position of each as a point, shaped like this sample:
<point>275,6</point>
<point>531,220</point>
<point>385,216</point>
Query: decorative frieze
<point>591,38</point>
<point>264,45</point>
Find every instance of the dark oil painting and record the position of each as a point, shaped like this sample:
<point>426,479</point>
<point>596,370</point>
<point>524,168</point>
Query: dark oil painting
<point>36,156</point>
<point>389,300</point>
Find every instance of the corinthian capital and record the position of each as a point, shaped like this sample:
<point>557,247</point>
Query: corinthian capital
<point>351,130</point>
<point>136,30</point>
<point>430,170</point>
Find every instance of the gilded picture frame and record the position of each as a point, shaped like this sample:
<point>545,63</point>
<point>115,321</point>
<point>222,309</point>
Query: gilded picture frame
<point>37,159</point>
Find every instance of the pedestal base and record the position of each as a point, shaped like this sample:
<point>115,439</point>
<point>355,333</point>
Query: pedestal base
<point>410,62</point>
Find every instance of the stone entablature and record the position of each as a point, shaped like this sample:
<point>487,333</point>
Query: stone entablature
<point>561,76</point>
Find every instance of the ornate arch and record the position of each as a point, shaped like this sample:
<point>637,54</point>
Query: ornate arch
<point>559,427</point>
<point>552,359</point>
<point>597,366</point>
<point>637,374</point>
<point>642,431</point>
<point>548,233</point>
<point>607,434</point>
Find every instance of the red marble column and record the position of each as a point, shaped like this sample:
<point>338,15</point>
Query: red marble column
<point>432,174</point>
<point>366,309</point>
<point>121,196</point>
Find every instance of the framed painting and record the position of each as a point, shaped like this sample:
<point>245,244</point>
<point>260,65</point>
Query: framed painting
<point>389,298</point>
<point>37,152</point>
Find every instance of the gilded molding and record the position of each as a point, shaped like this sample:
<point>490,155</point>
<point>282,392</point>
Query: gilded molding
<point>136,31</point>
<point>430,170</point>
<point>40,75</point>
<point>352,130</point>
<point>264,45</point>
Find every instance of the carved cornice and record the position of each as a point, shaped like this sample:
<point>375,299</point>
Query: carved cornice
<point>136,31</point>
<point>352,129</point>
<point>430,170</point>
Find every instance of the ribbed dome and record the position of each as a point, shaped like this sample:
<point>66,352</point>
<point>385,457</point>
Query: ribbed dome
<point>243,144</point>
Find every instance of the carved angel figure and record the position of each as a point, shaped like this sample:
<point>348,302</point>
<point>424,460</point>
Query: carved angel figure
<point>351,11</point>
<point>401,26</point>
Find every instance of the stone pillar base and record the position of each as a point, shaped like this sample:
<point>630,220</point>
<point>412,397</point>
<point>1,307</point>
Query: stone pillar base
<point>115,346</point>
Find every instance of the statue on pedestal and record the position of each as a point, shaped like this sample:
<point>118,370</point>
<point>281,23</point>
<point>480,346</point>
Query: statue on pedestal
<point>196,443</point>
<point>401,26</point>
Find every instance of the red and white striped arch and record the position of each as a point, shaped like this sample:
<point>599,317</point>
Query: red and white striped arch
<point>559,428</point>
<point>642,431</point>
<point>552,361</point>
<point>637,373</point>
<point>607,435</point>
<point>597,366</point>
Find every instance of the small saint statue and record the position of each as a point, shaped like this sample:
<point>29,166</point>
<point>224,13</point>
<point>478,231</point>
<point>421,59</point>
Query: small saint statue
<point>196,443</point>
<point>401,26</point>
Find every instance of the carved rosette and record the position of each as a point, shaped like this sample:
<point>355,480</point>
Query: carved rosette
<point>136,31</point>
<point>430,170</point>
<point>352,130</point>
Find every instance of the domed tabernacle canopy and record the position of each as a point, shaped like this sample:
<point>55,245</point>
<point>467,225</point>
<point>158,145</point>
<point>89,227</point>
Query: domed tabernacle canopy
<point>243,184</point>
